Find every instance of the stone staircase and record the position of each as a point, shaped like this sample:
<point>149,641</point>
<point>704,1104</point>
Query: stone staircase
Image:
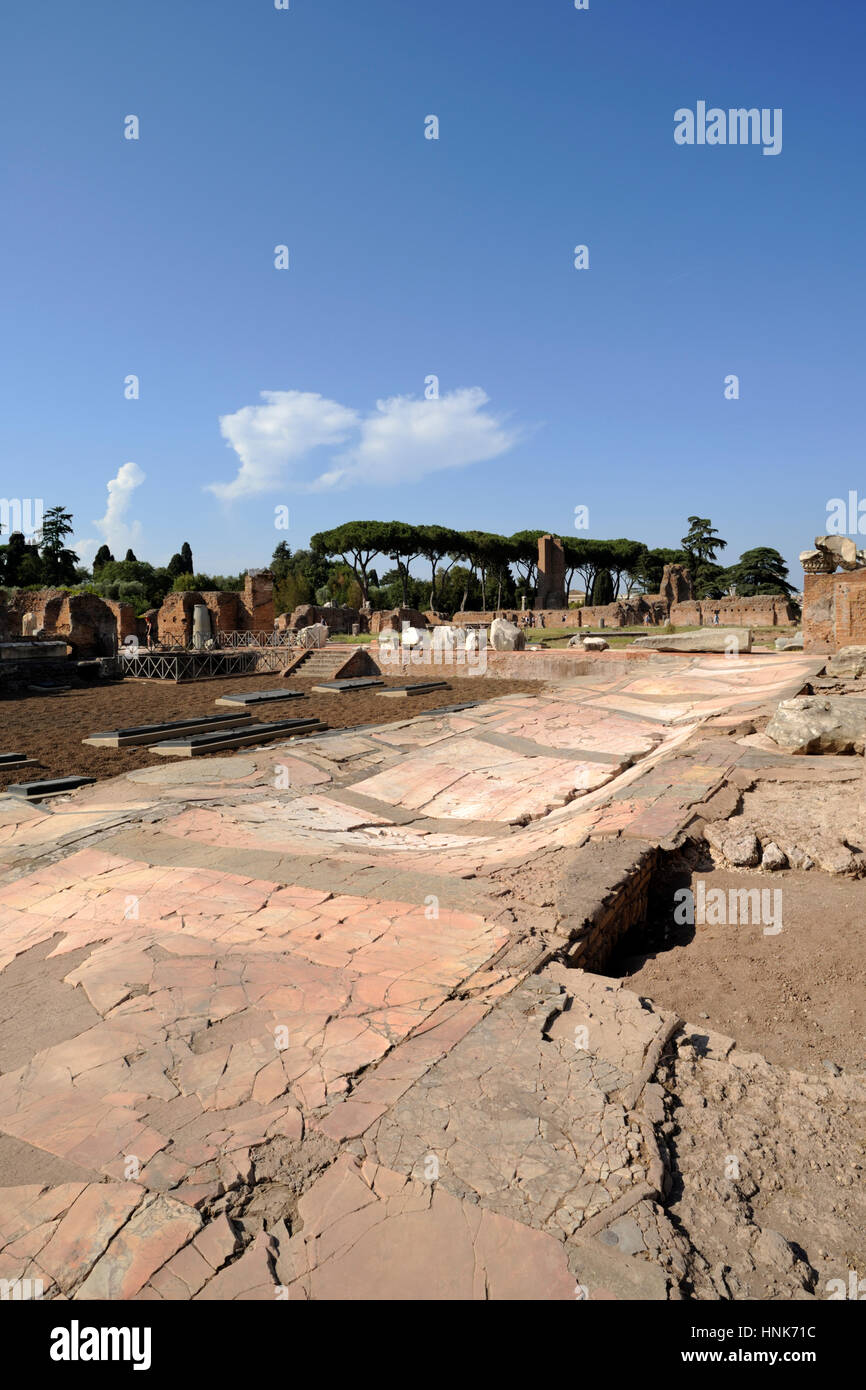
<point>325,663</point>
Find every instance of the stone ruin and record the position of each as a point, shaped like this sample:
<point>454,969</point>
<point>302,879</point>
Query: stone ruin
<point>251,610</point>
<point>339,618</point>
<point>550,589</point>
<point>90,626</point>
<point>832,553</point>
<point>834,605</point>
<point>674,603</point>
<point>94,627</point>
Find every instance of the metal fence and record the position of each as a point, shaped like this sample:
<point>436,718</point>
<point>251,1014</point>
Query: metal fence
<point>179,665</point>
<point>301,638</point>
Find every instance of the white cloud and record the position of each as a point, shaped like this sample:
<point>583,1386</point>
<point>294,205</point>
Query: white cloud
<point>114,529</point>
<point>399,442</point>
<point>269,438</point>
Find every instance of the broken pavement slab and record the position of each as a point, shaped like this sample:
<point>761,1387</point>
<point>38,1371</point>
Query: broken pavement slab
<point>316,964</point>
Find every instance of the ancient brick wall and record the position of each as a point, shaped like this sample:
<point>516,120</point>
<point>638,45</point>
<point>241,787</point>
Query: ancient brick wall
<point>593,942</point>
<point>623,613</point>
<point>339,619</point>
<point>834,611</point>
<point>256,606</point>
<point>850,629</point>
<point>358,663</point>
<point>86,622</point>
<point>174,624</point>
<point>395,617</point>
<point>553,617</point>
<point>687,614</point>
<point>551,574</point>
<point>763,610</point>
<point>552,664</point>
<point>224,608</point>
<point>44,604</point>
<point>228,613</point>
<point>124,616</point>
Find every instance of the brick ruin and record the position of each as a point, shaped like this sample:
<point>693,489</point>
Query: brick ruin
<point>251,610</point>
<point>94,627</point>
<point>90,626</point>
<point>338,618</point>
<point>550,589</point>
<point>674,603</point>
<point>343,619</point>
<point>834,605</point>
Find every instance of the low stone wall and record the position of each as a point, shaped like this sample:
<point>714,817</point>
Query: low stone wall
<point>552,617</point>
<point>624,613</point>
<point>523,666</point>
<point>593,943</point>
<point>763,610</point>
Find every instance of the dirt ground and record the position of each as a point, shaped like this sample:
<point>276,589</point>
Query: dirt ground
<point>796,997</point>
<point>50,728</point>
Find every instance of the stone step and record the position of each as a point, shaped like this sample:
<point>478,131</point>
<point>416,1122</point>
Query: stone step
<point>199,744</point>
<point>259,697</point>
<point>156,733</point>
<point>320,665</point>
<point>402,692</point>
<point>351,683</point>
<point>55,786</point>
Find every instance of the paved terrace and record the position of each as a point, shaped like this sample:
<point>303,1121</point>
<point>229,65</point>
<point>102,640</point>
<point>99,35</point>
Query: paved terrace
<point>297,1022</point>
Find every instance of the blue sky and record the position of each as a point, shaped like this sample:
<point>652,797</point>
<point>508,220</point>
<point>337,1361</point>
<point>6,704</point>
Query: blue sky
<point>412,257</point>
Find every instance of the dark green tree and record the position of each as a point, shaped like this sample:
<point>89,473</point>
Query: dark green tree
<point>703,541</point>
<point>760,571</point>
<point>58,561</point>
<point>524,557</point>
<point>652,564</point>
<point>434,544</point>
<point>602,589</point>
<point>281,562</point>
<point>357,543</point>
<point>404,546</point>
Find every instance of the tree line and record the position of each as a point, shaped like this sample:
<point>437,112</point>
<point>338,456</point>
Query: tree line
<point>47,562</point>
<point>371,562</point>
<point>498,570</point>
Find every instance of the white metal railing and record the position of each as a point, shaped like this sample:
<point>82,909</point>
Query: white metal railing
<point>302,637</point>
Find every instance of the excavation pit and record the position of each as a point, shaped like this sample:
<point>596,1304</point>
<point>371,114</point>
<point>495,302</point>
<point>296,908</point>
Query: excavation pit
<point>775,960</point>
